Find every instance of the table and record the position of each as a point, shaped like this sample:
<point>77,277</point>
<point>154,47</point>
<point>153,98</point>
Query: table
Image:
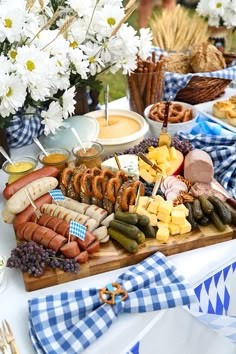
<point>176,331</point>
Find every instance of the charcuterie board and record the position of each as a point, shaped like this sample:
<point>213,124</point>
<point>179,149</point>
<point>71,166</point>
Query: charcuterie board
<point>111,256</point>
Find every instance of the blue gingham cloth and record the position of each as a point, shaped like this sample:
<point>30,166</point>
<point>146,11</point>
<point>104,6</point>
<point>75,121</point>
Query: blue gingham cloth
<point>174,82</point>
<point>69,322</point>
<point>222,150</point>
<point>23,129</point>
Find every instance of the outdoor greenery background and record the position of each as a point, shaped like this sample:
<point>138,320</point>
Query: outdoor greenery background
<point>117,82</point>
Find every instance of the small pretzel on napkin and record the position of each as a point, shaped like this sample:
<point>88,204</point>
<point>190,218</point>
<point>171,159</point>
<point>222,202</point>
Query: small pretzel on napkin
<point>112,290</point>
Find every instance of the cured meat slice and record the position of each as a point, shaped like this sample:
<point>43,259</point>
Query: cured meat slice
<point>198,166</point>
<point>70,249</point>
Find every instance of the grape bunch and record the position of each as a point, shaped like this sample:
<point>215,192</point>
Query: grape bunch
<point>183,146</point>
<point>149,189</point>
<point>32,258</point>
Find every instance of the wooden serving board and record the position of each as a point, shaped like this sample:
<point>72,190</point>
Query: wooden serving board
<point>111,256</point>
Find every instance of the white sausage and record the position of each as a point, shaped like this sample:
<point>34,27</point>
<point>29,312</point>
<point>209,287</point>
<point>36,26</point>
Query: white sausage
<point>7,216</point>
<point>19,201</point>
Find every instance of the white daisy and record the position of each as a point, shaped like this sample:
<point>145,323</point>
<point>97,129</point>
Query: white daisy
<point>13,96</point>
<point>145,43</point>
<point>92,50</point>
<point>107,19</point>
<point>68,102</point>
<point>80,61</point>
<point>11,23</point>
<point>52,118</point>
<point>82,8</point>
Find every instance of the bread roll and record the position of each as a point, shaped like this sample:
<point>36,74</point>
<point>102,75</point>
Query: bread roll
<point>206,57</point>
<point>220,108</point>
<point>178,63</point>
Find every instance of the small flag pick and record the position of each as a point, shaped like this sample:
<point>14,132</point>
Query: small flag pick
<point>56,194</point>
<point>77,230</point>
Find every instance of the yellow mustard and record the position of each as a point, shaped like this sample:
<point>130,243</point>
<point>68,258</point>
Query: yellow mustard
<point>54,158</point>
<point>19,167</point>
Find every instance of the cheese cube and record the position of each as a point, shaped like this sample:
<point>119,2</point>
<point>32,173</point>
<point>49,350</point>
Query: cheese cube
<point>163,217</point>
<point>152,207</point>
<point>146,176</point>
<point>131,208</point>
<point>141,210</point>
<point>178,217</point>
<point>165,207</point>
<point>162,234</point>
<point>172,152</point>
<point>158,199</point>
<point>185,228</point>
<point>143,201</point>
<point>181,207</point>
<point>174,228</point>
<point>161,224</point>
<point>153,219</point>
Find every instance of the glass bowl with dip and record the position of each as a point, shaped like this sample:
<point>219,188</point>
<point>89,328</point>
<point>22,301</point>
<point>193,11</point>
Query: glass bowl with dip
<point>90,154</point>
<point>21,166</point>
<point>56,157</point>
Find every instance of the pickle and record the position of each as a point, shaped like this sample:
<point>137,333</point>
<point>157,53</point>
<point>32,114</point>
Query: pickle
<point>204,221</point>
<point>217,222</point>
<point>197,210</point>
<point>222,210</point>
<point>190,216</point>
<point>233,217</point>
<point>206,205</point>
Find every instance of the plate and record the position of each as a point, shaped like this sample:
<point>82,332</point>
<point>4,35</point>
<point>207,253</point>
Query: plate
<point>206,109</point>
<point>87,128</point>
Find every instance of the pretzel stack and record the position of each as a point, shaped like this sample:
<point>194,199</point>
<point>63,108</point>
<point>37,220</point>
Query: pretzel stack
<point>145,84</point>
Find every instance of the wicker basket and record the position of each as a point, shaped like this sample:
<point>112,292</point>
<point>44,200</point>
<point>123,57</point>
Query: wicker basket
<point>202,89</point>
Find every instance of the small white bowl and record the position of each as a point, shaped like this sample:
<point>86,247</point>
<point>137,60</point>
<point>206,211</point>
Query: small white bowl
<point>173,128</point>
<point>113,145</point>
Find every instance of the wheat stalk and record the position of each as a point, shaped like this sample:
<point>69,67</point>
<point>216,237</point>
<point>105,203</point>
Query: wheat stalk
<point>177,30</point>
<point>129,9</point>
<point>29,4</point>
<point>47,25</point>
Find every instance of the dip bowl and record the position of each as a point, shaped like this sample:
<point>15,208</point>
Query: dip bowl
<point>125,129</point>
<point>56,157</point>
<point>22,166</point>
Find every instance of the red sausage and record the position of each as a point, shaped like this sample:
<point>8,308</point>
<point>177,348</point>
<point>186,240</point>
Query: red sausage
<point>89,239</point>
<point>12,188</point>
<point>94,247</point>
<point>19,230</point>
<point>27,214</point>
<point>70,249</point>
<point>39,233</point>
<point>82,257</point>
<point>63,228</point>
<point>47,238</point>
<point>57,242</point>
<point>29,230</point>
<point>54,223</point>
<point>44,219</point>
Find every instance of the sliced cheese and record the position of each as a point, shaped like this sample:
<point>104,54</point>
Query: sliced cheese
<point>146,176</point>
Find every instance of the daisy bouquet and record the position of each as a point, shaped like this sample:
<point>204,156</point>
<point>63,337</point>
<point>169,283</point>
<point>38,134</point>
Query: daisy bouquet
<point>49,48</point>
<point>218,12</point>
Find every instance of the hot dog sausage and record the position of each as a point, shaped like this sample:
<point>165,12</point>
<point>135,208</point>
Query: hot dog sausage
<point>19,230</point>
<point>47,237</point>
<point>29,230</point>
<point>19,201</point>
<point>26,215</point>
<point>89,239</point>
<point>70,249</point>
<point>82,257</point>
<point>57,242</point>
<point>46,171</point>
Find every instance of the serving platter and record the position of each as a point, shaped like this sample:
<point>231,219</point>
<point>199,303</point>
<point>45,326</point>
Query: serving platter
<point>111,256</point>
<point>206,109</point>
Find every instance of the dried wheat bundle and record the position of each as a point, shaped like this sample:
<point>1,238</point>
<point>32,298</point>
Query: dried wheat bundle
<point>178,29</point>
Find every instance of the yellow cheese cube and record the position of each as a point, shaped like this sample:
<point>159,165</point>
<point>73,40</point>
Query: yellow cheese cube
<point>158,199</point>
<point>186,227</point>
<point>143,201</point>
<point>161,224</point>
<point>181,207</point>
<point>165,207</point>
<point>153,219</point>
<point>172,152</point>
<point>141,210</point>
<point>178,217</point>
<point>162,234</point>
<point>146,176</point>
<point>131,208</point>
<point>163,217</point>
<point>174,228</point>
<point>152,207</point>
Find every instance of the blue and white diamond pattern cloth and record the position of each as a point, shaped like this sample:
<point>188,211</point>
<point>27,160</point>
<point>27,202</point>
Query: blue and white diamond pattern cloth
<point>69,322</point>
<point>77,230</point>
<point>175,82</point>
<point>215,300</point>
<point>56,194</point>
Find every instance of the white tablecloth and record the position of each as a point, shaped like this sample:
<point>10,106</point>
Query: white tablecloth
<point>177,332</point>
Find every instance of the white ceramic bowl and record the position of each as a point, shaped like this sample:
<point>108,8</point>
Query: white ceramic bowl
<point>173,128</point>
<point>122,143</point>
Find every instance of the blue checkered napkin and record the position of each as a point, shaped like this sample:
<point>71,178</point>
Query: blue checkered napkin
<point>69,322</point>
<point>23,129</point>
<point>206,126</point>
<point>222,150</point>
<point>77,230</point>
<point>214,299</point>
<point>175,82</point>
